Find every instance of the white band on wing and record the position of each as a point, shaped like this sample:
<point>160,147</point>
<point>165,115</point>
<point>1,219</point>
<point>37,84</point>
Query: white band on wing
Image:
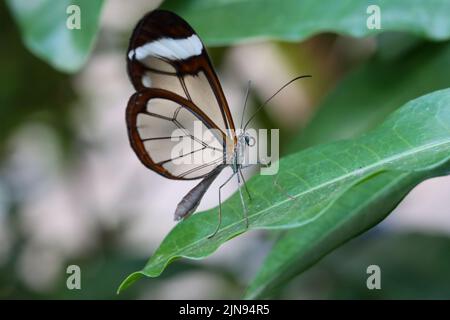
<point>168,48</point>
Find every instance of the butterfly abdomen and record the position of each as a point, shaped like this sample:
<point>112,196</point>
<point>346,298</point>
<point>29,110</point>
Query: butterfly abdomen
<point>190,202</point>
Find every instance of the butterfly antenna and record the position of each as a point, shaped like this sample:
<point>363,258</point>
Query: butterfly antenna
<point>271,97</point>
<point>245,102</point>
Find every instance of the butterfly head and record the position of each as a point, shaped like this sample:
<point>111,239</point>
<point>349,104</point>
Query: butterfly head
<point>244,142</point>
<point>245,139</point>
<point>248,139</point>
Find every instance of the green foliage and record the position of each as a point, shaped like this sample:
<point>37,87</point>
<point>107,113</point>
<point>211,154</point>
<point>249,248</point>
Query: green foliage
<point>229,21</point>
<point>44,32</point>
<point>366,96</point>
<point>340,188</point>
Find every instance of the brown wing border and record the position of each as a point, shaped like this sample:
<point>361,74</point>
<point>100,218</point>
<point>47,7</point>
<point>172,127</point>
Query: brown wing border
<point>138,104</point>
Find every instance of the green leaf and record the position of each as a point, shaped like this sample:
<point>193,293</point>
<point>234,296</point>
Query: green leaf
<point>44,31</point>
<point>361,207</point>
<point>377,88</point>
<point>228,21</point>
<point>414,138</point>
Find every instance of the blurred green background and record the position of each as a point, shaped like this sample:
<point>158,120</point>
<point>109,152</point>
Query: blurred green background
<point>72,192</point>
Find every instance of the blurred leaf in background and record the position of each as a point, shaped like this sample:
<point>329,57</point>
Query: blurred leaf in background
<point>44,31</point>
<point>30,90</point>
<point>230,21</point>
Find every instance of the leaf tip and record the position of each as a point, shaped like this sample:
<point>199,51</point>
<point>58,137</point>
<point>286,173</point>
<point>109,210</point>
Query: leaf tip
<point>132,278</point>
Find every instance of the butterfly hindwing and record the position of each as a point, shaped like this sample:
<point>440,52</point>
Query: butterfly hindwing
<point>157,121</point>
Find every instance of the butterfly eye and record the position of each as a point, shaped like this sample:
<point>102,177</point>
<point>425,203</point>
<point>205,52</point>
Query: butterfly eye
<point>250,141</point>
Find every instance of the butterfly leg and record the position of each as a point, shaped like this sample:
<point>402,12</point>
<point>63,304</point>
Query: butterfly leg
<point>245,185</point>
<point>220,207</point>
<point>243,202</point>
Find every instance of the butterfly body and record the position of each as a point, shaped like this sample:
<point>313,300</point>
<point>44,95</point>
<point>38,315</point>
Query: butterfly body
<point>235,160</point>
<point>191,201</point>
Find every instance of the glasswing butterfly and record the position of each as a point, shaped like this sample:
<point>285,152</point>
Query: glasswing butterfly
<point>177,89</point>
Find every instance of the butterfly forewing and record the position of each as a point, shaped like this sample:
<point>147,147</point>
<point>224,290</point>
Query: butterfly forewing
<point>179,98</point>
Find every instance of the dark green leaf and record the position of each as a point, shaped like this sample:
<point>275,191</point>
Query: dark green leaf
<point>228,21</point>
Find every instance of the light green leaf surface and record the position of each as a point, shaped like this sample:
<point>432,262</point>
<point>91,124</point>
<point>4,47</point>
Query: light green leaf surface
<point>44,31</point>
<point>414,138</point>
<point>228,21</point>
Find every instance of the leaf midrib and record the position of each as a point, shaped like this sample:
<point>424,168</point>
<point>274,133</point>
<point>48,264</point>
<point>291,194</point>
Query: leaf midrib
<point>358,172</point>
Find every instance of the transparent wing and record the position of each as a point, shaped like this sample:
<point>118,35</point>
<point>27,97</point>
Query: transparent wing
<point>172,136</point>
